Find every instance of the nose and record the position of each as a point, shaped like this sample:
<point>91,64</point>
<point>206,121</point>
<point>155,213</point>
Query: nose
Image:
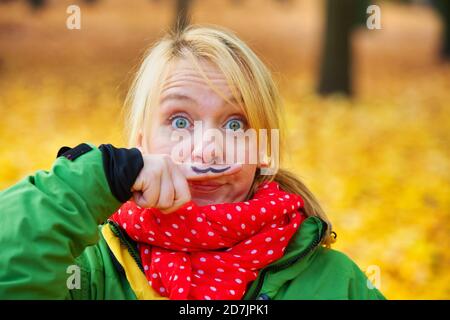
<point>207,148</point>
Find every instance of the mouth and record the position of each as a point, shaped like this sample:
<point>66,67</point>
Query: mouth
<point>210,169</point>
<point>205,187</point>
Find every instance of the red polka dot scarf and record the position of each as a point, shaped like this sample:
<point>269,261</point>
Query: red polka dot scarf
<point>214,251</point>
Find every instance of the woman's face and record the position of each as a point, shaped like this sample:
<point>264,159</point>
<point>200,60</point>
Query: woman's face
<point>186,97</point>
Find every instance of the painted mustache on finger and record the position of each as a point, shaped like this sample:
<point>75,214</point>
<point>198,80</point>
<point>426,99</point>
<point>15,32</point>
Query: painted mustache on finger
<point>209,169</point>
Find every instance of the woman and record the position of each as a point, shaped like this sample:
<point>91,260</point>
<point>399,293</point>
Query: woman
<point>187,228</point>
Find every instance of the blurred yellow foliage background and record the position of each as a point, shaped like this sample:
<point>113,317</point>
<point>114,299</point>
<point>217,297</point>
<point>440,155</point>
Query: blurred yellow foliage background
<point>379,163</point>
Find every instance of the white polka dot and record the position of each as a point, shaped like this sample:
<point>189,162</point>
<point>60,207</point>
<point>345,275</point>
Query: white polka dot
<point>141,218</point>
<point>217,257</point>
<point>255,261</point>
<point>193,231</point>
<point>189,208</point>
<point>273,225</point>
<point>220,270</point>
<point>146,251</point>
<point>210,233</point>
<point>158,220</point>
<point>229,217</point>
<point>218,280</point>
<point>168,233</point>
<point>295,225</point>
<point>236,256</point>
<point>124,225</point>
<point>199,219</point>
<point>184,249</point>
<point>167,243</point>
<point>213,208</point>
<point>248,242</point>
<point>236,265</point>
<point>254,251</point>
<point>285,211</point>
<point>137,226</point>
<point>263,210</point>
<point>180,290</point>
<point>188,278</point>
<point>293,207</point>
<point>294,215</point>
<point>200,271</point>
<point>182,217</point>
<point>238,280</point>
<point>162,289</point>
<point>272,203</point>
<point>207,298</point>
<point>157,253</point>
<point>182,267</point>
<point>221,244</point>
<point>152,233</point>
<point>151,239</point>
<point>284,248</point>
<point>130,212</point>
<point>154,276</point>
<point>225,228</point>
<point>282,238</point>
<point>238,208</point>
<point>146,267</point>
<point>175,278</point>
<point>246,203</point>
<point>170,265</point>
<point>232,292</point>
<point>241,270</point>
<point>243,226</point>
<point>253,218</point>
<point>119,211</point>
<point>187,240</point>
<point>286,196</point>
<point>270,252</point>
<point>213,289</point>
<point>203,259</point>
<point>268,239</point>
<point>175,226</point>
<point>204,244</point>
<point>157,259</point>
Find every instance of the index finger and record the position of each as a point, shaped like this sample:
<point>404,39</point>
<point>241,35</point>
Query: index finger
<point>194,173</point>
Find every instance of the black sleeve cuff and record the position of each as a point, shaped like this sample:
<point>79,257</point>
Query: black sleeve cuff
<point>122,166</point>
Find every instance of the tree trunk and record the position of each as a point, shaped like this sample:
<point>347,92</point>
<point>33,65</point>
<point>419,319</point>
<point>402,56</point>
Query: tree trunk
<point>182,17</point>
<point>336,68</point>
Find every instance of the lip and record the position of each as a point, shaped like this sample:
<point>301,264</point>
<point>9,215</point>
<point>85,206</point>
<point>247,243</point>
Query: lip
<point>205,187</point>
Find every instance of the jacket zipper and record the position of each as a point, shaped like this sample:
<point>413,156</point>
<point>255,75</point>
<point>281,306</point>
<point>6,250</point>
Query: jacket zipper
<point>289,262</point>
<point>134,254</point>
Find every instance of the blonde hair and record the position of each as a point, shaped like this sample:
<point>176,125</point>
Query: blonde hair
<point>249,79</point>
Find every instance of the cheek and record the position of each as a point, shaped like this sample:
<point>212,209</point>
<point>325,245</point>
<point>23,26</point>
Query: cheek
<point>159,140</point>
<point>242,181</point>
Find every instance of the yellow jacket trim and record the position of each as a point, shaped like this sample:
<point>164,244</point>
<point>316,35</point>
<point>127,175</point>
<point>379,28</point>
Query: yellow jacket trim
<point>134,275</point>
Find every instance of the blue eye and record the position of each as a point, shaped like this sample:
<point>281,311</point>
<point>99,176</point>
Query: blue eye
<point>180,123</point>
<point>234,125</point>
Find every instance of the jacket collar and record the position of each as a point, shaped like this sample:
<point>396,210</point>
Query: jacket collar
<point>304,242</point>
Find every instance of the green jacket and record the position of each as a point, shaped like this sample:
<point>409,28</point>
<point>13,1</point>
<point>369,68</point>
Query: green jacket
<point>50,221</point>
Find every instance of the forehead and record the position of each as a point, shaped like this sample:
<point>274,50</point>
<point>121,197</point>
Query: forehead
<point>184,79</point>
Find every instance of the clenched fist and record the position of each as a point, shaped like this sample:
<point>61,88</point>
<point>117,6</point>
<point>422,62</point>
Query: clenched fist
<point>163,184</point>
